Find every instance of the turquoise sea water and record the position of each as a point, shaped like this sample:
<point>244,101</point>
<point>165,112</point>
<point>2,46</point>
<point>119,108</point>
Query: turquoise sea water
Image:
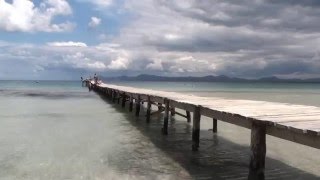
<point>60,130</point>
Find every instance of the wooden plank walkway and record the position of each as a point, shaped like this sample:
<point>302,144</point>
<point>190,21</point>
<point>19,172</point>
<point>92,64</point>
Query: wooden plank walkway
<point>297,123</point>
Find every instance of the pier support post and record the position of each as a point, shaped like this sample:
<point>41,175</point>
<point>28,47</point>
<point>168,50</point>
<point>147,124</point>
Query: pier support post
<point>196,129</point>
<point>188,116</point>
<point>118,96</point>
<point>159,106</point>
<point>107,92</point>
<point>173,111</point>
<point>258,151</point>
<point>131,104</point>
<point>166,117</point>
<point>138,105</point>
<point>113,96</point>
<point>215,125</point>
<point>123,100</point>
<point>148,109</point>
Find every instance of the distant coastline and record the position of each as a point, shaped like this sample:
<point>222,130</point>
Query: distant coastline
<point>210,78</point>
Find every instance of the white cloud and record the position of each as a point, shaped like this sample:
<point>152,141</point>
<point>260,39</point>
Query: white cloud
<point>184,37</point>
<point>155,65</point>
<point>102,2</point>
<point>58,59</point>
<point>99,3</point>
<point>121,63</point>
<point>94,22</point>
<point>204,37</point>
<point>97,65</point>
<point>67,44</point>
<point>22,15</point>
<point>172,37</point>
<point>102,37</point>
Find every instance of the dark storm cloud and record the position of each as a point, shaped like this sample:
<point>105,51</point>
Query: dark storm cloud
<point>292,66</point>
<point>241,38</point>
<point>289,15</point>
<point>312,3</point>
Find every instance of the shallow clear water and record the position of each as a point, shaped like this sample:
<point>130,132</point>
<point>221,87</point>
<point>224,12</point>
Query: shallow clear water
<point>59,130</point>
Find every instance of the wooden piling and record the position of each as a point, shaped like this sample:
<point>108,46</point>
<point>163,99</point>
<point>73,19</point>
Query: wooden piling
<point>166,117</point>
<point>124,98</point>
<point>159,106</point>
<point>173,111</point>
<point>131,104</point>
<point>113,96</point>
<point>258,151</point>
<point>138,101</point>
<point>118,97</point>
<point>188,116</point>
<point>148,109</point>
<point>215,125</point>
<point>196,128</point>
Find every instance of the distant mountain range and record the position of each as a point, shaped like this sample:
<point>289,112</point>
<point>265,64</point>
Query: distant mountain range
<point>210,78</point>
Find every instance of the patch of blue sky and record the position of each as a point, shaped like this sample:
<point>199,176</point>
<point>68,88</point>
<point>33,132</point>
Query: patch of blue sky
<point>113,18</point>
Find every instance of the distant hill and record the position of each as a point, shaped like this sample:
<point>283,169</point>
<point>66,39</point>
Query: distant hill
<point>210,78</point>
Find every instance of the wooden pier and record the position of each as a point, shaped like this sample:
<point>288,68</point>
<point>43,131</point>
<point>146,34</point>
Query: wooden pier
<point>296,123</point>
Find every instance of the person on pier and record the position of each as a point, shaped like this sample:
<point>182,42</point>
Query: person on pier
<point>82,80</point>
<point>95,78</point>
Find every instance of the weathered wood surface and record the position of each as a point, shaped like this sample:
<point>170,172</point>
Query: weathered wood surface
<point>123,104</point>
<point>196,128</point>
<point>148,110</point>
<point>166,117</point>
<point>188,114</point>
<point>138,100</point>
<point>258,151</point>
<point>130,104</point>
<point>215,125</point>
<point>287,121</point>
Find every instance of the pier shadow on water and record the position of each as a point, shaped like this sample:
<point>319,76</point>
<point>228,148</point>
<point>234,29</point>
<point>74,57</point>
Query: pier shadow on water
<point>217,158</point>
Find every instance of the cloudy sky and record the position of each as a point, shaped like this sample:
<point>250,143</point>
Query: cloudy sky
<point>59,39</point>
